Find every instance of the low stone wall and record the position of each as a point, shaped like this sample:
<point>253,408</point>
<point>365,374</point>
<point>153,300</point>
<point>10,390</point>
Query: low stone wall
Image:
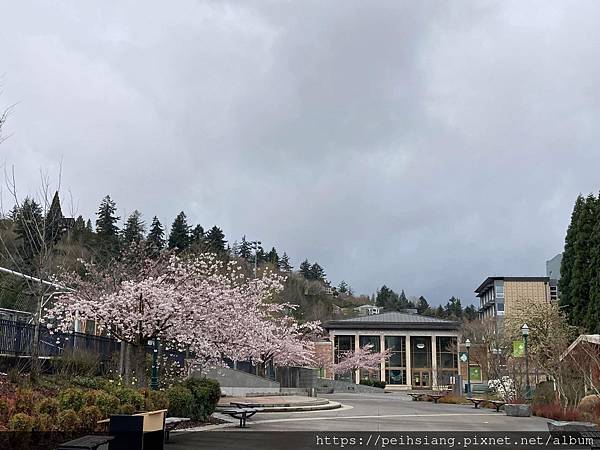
<point>324,385</point>
<point>237,383</point>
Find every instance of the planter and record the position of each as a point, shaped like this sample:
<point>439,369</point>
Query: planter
<point>517,410</point>
<point>556,425</point>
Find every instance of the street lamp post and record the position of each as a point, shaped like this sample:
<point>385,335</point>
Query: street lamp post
<point>256,244</point>
<point>525,333</point>
<point>154,373</point>
<point>468,346</point>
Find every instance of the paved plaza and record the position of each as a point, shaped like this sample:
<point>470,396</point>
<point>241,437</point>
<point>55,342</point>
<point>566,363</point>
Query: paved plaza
<point>362,412</point>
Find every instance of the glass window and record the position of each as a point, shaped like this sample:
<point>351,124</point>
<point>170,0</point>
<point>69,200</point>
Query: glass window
<point>420,352</point>
<point>373,340</point>
<point>500,290</point>
<point>447,359</point>
<point>395,372</point>
<point>395,376</point>
<point>342,344</point>
<point>500,306</point>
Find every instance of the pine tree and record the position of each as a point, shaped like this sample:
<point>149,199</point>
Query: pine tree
<point>245,249</point>
<point>107,231</point>
<point>317,272</point>
<point>215,240</point>
<point>273,257</point>
<point>593,313</point>
<point>29,230</point>
<point>134,229</point>
<point>305,269</point>
<point>403,302</point>
<point>156,237</point>
<point>53,221</point>
<point>284,264</point>
<point>79,230</point>
<point>454,308</point>
<point>470,313</point>
<point>387,299</point>
<point>422,305</point>
<point>343,287</point>
<point>567,300</point>
<point>197,235</point>
<point>179,238</point>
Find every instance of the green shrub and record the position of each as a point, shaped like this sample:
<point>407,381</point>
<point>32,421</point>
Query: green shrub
<point>44,422</point>
<point>48,405</point>
<point>379,384</point>
<point>129,396</point>
<point>181,401</point>
<point>157,400</point>
<point>89,417</point>
<point>87,382</point>
<point>128,409</point>
<point>107,403</point>
<point>68,421</point>
<point>71,398</point>
<point>544,394</point>
<point>4,410</point>
<point>80,363</point>
<point>21,422</point>
<point>367,382</point>
<point>206,394</point>
<point>24,401</point>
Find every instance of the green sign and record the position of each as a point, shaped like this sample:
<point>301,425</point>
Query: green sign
<point>475,372</point>
<point>518,349</point>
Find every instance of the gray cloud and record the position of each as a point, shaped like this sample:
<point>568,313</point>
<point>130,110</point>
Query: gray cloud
<point>424,145</point>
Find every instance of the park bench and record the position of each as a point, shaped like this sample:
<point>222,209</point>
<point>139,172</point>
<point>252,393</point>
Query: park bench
<point>171,423</point>
<point>435,396</point>
<point>476,401</point>
<point>90,442</point>
<point>242,414</point>
<point>415,395</point>
<point>497,403</point>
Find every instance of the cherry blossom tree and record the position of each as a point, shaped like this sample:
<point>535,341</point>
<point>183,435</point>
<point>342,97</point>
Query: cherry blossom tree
<point>203,305</point>
<point>361,358</point>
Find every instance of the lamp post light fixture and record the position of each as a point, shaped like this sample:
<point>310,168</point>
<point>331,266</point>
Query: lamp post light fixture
<point>468,347</point>
<point>154,374</point>
<point>525,333</point>
<point>255,245</point>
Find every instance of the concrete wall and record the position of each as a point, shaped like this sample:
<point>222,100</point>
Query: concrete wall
<point>237,383</point>
<point>344,386</point>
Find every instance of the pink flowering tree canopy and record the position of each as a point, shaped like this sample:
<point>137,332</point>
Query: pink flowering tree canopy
<point>361,358</point>
<point>203,305</point>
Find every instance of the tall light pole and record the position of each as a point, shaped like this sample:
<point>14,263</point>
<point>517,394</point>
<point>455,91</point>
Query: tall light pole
<point>154,373</point>
<point>255,245</point>
<point>525,333</point>
<point>468,346</point>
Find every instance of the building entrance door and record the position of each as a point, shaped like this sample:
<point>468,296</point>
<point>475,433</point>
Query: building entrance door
<point>421,379</point>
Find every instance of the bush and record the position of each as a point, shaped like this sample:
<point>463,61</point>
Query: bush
<point>48,405</point>
<point>206,394</point>
<point>544,394</point>
<point>87,382</point>
<point>157,400</point>
<point>128,409</point>
<point>4,410</point>
<point>90,397</point>
<point>181,401</point>
<point>78,363</point>
<point>589,403</point>
<point>366,382</point>
<point>107,403</point>
<point>44,422</point>
<point>453,399</point>
<point>21,422</point>
<point>24,401</point>
<point>129,396</point>
<point>556,412</point>
<point>68,421</point>
<point>71,398</point>
<point>89,416</point>
<point>379,384</point>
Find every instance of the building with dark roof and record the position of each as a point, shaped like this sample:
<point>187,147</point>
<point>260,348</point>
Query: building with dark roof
<point>423,350</point>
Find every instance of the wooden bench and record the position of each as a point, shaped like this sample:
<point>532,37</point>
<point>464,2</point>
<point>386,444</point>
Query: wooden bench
<point>477,401</point>
<point>415,395</point>
<point>90,442</point>
<point>171,423</point>
<point>242,414</point>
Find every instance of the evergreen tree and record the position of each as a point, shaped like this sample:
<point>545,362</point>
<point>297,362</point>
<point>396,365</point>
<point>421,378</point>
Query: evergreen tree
<point>470,313</point>
<point>156,237</point>
<point>88,227</point>
<point>403,302</point>
<point>284,264</point>
<point>305,269</point>
<point>343,287</point>
<point>422,305</point>
<point>53,222</point>
<point>593,312</point>
<point>197,235</point>
<point>567,300</point>
<point>215,240</point>
<point>29,231</point>
<point>453,308</point>
<point>317,272</point>
<point>107,231</point>
<point>179,238</point>
<point>439,312</point>
<point>134,229</point>
<point>245,249</point>
<point>387,299</point>
<point>273,257</point>
<point>79,229</point>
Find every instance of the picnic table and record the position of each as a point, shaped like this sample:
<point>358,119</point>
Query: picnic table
<point>90,442</point>
<point>171,423</point>
<point>242,414</point>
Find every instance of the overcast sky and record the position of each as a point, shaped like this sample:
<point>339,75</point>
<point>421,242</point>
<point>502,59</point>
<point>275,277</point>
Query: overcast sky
<point>424,145</point>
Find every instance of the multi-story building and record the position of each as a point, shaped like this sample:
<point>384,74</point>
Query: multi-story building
<point>499,295</point>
